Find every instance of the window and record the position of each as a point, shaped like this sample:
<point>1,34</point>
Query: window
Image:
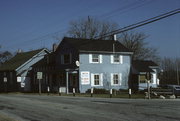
<point>66,59</point>
<point>95,58</point>
<point>116,79</point>
<point>4,74</point>
<point>97,79</point>
<point>142,79</point>
<point>117,59</point>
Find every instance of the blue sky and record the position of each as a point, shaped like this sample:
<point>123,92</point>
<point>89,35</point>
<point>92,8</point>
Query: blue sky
<point>33,24</point>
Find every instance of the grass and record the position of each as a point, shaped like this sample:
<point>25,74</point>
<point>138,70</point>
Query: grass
<point>121,95</point>
<point>133,96</point>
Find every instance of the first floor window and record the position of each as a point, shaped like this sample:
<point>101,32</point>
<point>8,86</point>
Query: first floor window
<point>97,79</point>
<point>116,79</point>
<point>142,78</point>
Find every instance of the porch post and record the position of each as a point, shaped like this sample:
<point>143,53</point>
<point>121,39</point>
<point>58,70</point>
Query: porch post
<point>67,78</point>
<point>138,81</point>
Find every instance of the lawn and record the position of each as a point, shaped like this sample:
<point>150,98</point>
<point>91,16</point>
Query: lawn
<point>123,95</point>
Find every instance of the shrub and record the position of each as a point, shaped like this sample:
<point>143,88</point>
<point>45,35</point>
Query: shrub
<point>98,91</point>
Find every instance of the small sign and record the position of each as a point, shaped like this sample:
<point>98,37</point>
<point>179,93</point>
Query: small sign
<point>85,77</point>
<point>129,91</point>
<point>5,79</point>
<point>22,84</point>
<point>39,75</point>
<point>18,79</point>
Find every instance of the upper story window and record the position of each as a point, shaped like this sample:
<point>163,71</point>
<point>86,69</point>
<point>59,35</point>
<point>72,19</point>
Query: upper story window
<point>66,59</point>
<point>95,58</point>
<point>117,59</point>
<point>4,74</point>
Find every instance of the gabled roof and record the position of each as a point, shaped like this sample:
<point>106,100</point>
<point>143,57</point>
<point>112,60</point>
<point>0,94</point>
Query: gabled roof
<point>18,60</point>
<point>144,65</point>
<point>84,45</point>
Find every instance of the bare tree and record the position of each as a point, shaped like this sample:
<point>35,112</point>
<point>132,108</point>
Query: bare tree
<point>135,41</point>
<point>90,28</point>
<point>4,56</point>
<point>171,71</point>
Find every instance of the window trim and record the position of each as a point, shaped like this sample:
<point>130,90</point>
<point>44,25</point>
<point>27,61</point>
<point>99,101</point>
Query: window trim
<point>91,58</point>
<point>120,59</point>
<point>100,79</point>
<point>119,79</point>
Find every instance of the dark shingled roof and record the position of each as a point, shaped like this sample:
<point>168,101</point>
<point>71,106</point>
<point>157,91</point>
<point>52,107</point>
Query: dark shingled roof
<point>18,60</point>
<point>43,62</point>
<point>143,65</point>
<point>96,45</point>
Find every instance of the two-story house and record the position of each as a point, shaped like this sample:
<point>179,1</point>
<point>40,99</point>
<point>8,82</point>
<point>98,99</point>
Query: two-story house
<point>86,63</point>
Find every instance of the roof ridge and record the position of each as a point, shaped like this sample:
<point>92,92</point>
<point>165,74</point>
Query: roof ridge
<point>95,44</point>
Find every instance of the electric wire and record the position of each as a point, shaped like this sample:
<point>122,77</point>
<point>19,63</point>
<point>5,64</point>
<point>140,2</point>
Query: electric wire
<point>142,23</point>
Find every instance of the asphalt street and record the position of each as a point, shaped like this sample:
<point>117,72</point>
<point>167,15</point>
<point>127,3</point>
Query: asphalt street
<point>21,107</point>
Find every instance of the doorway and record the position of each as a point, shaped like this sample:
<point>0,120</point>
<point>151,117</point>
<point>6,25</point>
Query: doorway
<point>73,82</point>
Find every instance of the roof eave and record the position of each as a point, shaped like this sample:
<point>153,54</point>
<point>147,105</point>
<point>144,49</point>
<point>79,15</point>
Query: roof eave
<point>31,59</point>
<point>109,52</point>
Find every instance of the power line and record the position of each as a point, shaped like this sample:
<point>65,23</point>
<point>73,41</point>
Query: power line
<point>142,23</point>
<point>126,8</point>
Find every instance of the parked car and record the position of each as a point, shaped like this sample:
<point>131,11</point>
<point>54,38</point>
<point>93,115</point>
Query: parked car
<point>175,89</point>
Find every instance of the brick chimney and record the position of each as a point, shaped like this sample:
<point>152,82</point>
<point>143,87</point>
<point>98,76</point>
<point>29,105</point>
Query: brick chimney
<point>19,51</point>
<point>54,47</point>
<point>114,37</point>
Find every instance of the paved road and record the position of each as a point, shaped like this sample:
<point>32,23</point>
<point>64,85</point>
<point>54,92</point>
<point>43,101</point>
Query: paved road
<point>19,107</point>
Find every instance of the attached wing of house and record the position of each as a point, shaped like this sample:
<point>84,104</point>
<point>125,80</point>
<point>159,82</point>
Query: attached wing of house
<point>144,70</point>
<point>16,70</point>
